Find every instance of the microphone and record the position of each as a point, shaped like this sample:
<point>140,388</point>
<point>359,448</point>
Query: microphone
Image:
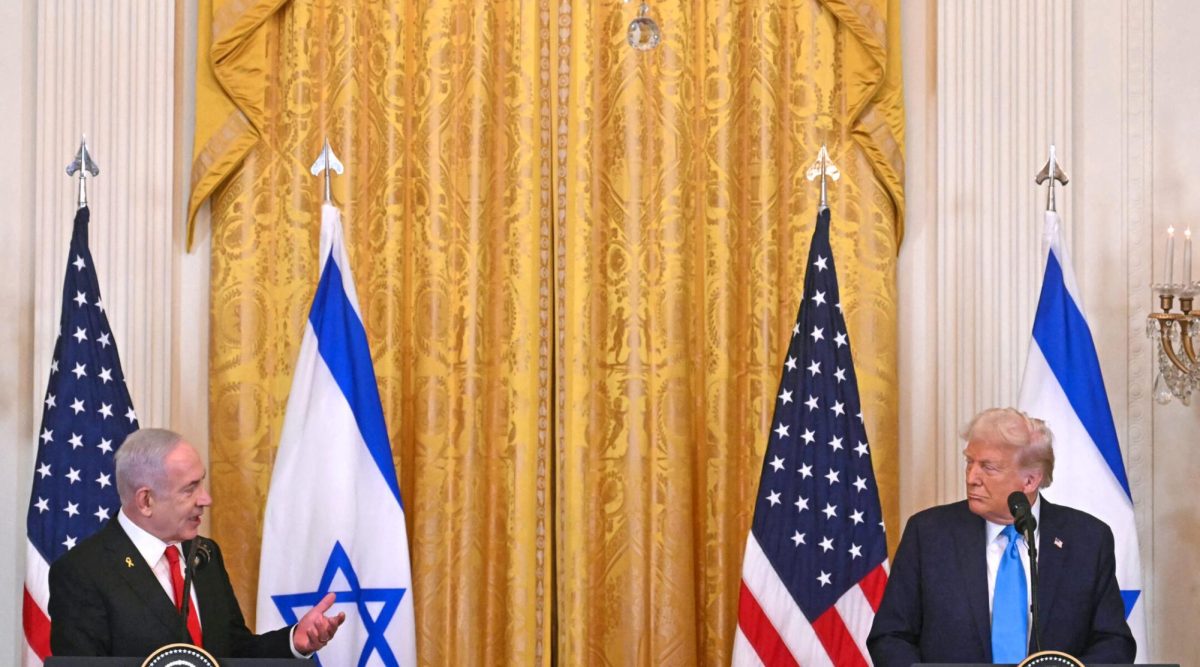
<point>201,552</point>
<point>198,555</point>
<point>1022,512</point>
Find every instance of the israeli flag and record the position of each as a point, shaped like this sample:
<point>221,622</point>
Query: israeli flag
<point>334,519</point>
<point>1063,386</point>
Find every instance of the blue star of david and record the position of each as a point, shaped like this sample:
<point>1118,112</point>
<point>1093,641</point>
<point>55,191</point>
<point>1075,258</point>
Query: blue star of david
<point>390,597</point>
<point>1130,598</point>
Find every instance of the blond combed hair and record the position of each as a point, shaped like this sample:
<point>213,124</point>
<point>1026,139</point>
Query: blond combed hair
<point>1011,427</point>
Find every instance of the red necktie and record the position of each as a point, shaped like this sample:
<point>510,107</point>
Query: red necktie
<point>193,620</point>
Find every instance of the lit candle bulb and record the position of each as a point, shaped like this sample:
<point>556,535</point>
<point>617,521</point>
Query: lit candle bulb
<point>1170,254</point>
<point>1187,256</point>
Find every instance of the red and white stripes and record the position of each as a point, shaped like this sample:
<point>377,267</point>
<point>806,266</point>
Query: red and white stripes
<point>773,631</point>
<point>36,619</point>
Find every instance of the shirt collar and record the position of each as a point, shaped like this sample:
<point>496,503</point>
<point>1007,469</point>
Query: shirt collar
<point>150,547</point>
<point>994,529</point>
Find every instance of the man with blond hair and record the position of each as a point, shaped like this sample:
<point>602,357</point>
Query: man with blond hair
<point>959,586</point>
<point>120,592</point>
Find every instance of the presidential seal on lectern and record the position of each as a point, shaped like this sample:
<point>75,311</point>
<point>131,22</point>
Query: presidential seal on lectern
<point>180,655</point>
<point>1050,659</point>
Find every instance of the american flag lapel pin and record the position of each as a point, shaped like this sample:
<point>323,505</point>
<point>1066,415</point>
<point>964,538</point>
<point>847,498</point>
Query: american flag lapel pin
<point>1058,542</point>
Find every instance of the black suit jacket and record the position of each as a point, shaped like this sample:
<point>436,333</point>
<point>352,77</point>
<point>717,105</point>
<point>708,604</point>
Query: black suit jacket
<point>935,607</point>
<point>106,601</point>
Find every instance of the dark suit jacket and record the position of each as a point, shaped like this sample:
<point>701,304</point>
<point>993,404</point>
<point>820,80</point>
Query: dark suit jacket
<point>935,607</point>
<point>100,605</point>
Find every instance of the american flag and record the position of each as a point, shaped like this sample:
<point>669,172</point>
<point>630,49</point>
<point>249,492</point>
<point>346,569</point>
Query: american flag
<point>816,559</point>
<point>86,414</point>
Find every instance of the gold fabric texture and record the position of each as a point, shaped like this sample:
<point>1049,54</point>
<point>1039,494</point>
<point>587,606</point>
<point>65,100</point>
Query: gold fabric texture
<point>578,267</point>
<point>687,223</point>
<point>447,226</point>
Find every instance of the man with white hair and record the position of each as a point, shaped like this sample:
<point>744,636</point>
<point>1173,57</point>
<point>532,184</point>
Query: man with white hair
<point>119,593</point>
<point>959,591</point>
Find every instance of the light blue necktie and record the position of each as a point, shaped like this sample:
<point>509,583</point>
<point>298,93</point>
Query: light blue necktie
<point>1010,605</point>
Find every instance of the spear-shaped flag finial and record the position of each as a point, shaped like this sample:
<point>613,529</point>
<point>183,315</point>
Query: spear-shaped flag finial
<point>327,162</point>
<point>1051,172</point>
<point>83,165</point>
<point>823,166</point>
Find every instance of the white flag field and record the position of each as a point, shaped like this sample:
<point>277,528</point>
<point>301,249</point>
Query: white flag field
<point>334,518</point>
<point>1063,386</point>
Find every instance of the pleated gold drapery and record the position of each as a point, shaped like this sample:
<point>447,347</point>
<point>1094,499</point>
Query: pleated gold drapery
<point>578,265</point>
<point>686,227</point>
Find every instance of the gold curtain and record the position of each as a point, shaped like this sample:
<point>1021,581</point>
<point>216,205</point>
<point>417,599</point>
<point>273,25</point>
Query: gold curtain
<point>444,202</point>
<point>687,223</point>
<point>578,265</point>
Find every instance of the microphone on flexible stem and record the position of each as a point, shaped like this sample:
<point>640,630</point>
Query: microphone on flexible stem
<point>1023,520</point>
<point>197,557</point>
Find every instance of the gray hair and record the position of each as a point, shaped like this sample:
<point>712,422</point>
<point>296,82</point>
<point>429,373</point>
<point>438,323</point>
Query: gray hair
<point>1032,439</point>
<point>139,461</point>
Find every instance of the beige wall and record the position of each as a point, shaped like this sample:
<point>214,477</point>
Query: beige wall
<point>1173,459</point>
<point>17,41</point>
<point>988,86</point>
<point>106,68</point>
<point>1117,96</point>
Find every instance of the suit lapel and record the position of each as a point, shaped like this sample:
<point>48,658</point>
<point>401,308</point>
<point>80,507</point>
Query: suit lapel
<point>136,573</point>
<point>1051,559</point>
<point>972,563</point>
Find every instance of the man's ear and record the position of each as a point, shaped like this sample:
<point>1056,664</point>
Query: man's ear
<point>143,501</point>
<point>1032,480</point>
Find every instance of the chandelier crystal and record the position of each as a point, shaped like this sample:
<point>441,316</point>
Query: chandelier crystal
<point>643,34</point>
<point>1176,337</point>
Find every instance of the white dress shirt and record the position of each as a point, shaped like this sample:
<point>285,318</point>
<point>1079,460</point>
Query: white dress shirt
<point>997,543</point>
<point>153,551</point>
